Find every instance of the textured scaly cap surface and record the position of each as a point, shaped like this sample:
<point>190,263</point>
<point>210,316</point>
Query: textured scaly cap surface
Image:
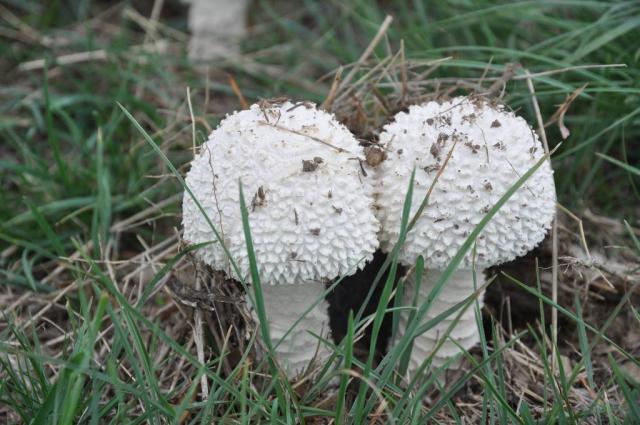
<point>310,206</point>
<point>493,149</point>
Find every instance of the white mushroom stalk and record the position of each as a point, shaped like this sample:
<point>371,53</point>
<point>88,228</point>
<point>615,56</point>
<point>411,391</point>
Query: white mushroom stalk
<point>286,303</point>
<point>491,148</point>
<point>464,332</point>
<point>310,210</point>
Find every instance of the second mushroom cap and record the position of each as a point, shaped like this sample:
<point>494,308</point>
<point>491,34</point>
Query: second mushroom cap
<point>491,148</point>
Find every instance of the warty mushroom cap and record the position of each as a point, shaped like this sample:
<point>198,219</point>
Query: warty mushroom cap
<point>493,149</point>
<point>310,206</point>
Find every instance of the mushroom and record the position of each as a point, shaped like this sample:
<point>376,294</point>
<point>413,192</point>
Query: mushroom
<point>310,211</point>
<point>491,148</point>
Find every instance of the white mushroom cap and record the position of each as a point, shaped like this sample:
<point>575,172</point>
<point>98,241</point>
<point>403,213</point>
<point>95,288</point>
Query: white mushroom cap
<point>310,207</point>
<point>494,148</point>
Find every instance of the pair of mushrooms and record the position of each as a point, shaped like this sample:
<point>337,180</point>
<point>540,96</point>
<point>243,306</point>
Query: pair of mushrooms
<point>318,211</point>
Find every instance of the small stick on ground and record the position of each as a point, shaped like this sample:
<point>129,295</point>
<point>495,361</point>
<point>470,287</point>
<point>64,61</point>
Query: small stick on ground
<point>68,59</point>
<point>328,102</point>
<point>403,72</point>
<point>558,116</point>
<point>236,90</point>
<point>499,84</point>
<point>193,122</point>
<point>365,55</point>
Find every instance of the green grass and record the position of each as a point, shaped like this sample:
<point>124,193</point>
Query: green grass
<point>90,159</point>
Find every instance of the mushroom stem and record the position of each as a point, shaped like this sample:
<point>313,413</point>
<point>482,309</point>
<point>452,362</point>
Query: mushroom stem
<point>284,305</point>
<point>465,332</point>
